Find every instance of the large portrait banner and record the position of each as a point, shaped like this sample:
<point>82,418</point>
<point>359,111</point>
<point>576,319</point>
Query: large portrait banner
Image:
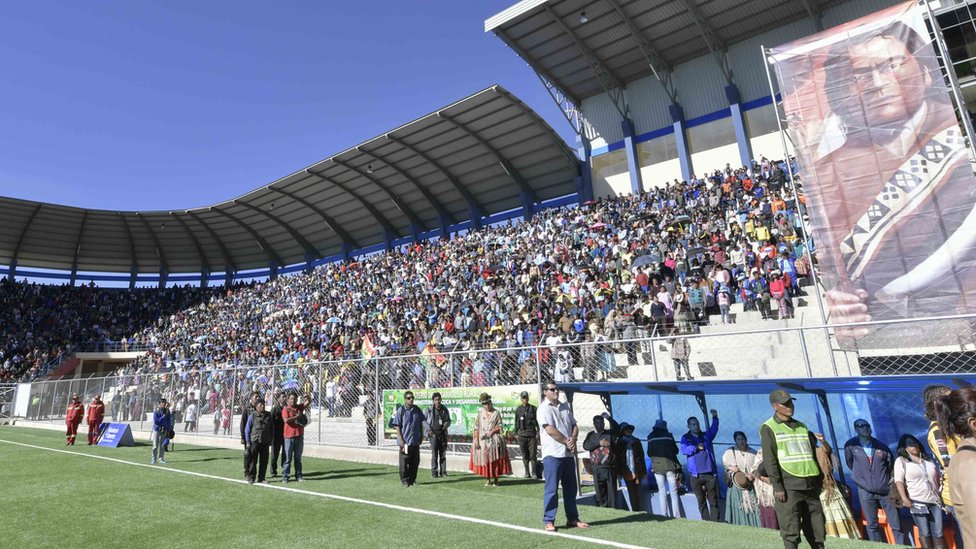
<point>887,172</point>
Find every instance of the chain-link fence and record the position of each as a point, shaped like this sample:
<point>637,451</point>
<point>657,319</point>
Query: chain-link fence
<point>351,398</point>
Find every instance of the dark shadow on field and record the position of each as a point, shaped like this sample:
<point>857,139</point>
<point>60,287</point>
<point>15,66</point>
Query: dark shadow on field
<point>181,450</point>
<point>502,481</point>
<point>345,473</point>
<point>628,518</point>
<point>204,459</point>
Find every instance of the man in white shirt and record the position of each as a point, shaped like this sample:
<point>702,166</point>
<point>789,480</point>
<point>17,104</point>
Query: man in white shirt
<point>558,434</point>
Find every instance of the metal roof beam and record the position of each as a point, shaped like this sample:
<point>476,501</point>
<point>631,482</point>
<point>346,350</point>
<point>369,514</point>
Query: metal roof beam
<point>229,264</point>
<point>547,129</point>
<point>813,10</point>
<point>159,248</point>
<point>379,217</point>
<point>23,232</point>
<point>596,65</point>
<point>460,188</point>
<point>310,250</point>
<point>132,251</point>
<point>711,38</point>
<point>512,172</point>
<point>654,59</point>
<point>273,257</point>
<point>434,202</point>
<point>331,223</point>
<point>74,260</point>
<point>204,263</point>
<point>397,201</point>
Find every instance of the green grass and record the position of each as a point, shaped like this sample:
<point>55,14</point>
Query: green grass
<point>52,499</point>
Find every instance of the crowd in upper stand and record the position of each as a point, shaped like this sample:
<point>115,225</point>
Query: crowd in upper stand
<point>569,274</point>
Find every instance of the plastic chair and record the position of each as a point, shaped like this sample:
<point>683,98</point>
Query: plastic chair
<point>883,523</point>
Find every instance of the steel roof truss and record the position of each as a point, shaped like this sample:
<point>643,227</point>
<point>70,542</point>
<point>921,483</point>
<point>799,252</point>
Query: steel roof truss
<point>261,242</point>
<point>229,264</point>
<point>204,264</point>
<point>23,232</point>
<point>438,206</point>
<point>397,201</point>
<point>614,87</point>
<point>302,241</point>
<point>654,58</point>
<point>159,248</point>
<point>330,222</point>
<point>468,197</point>
<point>714,42</point>
<point>380,218</point>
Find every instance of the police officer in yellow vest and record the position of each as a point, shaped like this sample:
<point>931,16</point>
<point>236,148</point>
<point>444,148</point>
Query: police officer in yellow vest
<point>789,453</point>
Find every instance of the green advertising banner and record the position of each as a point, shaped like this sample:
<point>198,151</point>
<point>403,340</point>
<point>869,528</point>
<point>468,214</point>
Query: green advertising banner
<point>463,404</point>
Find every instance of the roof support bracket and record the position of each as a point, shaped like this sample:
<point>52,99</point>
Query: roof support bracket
<point>609,81</point>
<point>434,202</point>
<point>329,221</point>
<point>712,40</point>
<point>458,186</point>
<point>204,264</point>
<point>653,57</point>
<point>302,241</point>
<point>379,217</point>
<point>74,261</point>
<point>163,263</point>
<point>261,242</point>
<point>23,233</point>
<point>397,201</point>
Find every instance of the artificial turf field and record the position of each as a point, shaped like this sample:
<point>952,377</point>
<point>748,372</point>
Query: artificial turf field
<point>58,499</point>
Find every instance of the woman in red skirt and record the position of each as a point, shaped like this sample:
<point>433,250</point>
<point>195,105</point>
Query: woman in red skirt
<point>489,455</point>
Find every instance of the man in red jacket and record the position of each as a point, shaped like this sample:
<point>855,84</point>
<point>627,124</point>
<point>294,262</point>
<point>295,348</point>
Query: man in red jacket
<point>96,413</point>
<point>76,412</point>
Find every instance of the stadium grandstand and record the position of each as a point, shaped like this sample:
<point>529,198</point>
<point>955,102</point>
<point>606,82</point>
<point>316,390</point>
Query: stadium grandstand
<point>673,260</point>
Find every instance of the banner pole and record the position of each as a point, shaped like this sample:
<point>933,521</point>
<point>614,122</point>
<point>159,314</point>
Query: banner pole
<point>796,201</point>
<point>967,124</point>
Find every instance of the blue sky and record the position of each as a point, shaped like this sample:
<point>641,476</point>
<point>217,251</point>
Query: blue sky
<point>152,105</point>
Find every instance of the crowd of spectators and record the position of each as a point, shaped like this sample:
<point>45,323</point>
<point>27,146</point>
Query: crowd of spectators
<point>659,262</point>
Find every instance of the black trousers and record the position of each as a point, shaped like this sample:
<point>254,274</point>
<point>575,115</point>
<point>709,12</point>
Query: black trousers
<point>705,487</point>
<point>530,454</point>
<point>247,462</point>
<point>371,432</point>
<point>438,453</point>
<point>277,454</point>
<point>409,463</point>
<point>605,482</point>
<point>258,461</point>
<point>801,512</point>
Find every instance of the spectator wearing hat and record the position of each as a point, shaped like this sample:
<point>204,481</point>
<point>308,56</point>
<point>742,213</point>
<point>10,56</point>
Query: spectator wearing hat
<point>73,417</point>
<point>96,414</point>
<point>790,460</point>
<point>697,447</point>
<point>527,429</point>
<point>294,419</point>
<point>663,451</point>
<point>489,455</point>
<point>632,466</point>
<point>162,425</point>
<point>558,435</point>
<point>437,419</point>
<point>408,421</point>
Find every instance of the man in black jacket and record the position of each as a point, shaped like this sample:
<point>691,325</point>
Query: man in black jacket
<point>527,428</point>
<point>245,414</point>
<point>278,444</point>
<point>602,445</point>
<point>258,434</point>
<point>436,421</point>
<point>871,464</point>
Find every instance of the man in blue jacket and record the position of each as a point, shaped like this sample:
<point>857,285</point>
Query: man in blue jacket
<point>697,447</point>
<point>162,424</point>
<point>871,464</point>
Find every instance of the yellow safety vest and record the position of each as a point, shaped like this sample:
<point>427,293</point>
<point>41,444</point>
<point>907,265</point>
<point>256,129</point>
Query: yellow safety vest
<point>793,449</point>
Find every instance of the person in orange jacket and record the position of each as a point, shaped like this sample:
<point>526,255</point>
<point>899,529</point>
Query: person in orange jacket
<point>76,412</point>
<point>96,413</point>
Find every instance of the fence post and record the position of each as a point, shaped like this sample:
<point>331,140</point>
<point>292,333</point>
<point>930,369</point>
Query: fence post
<point>654,355</point>
<point>806,354</point>
<point>377,405</point>
<point>318,384</point>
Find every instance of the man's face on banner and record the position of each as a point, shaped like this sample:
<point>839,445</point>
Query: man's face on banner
<point>889,79</point>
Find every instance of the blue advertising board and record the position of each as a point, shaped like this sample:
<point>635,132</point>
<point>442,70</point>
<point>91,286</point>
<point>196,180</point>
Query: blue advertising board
<point>115,435</point>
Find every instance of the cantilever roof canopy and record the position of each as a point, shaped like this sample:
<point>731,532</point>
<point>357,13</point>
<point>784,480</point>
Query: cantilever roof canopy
<point>481,155</point>
<point>622,40</point>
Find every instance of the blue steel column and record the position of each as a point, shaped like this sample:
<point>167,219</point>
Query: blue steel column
<point>739,124</point>
<point>163,276</point>
<point>584,183</point>
<point>228,278</point>
<point>681,140</point>
<point>12,270</point>
<point>443,226</point>
<point>133,274</point>
<point>346,250</point>
<point>527,205</point>
<point>272,270</point>
<point>633,161</point>
<point>204,277</point>
<point>388,238</point>
<point>475,214</point>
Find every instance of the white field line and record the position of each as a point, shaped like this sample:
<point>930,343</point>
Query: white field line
<point>536,531</point>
